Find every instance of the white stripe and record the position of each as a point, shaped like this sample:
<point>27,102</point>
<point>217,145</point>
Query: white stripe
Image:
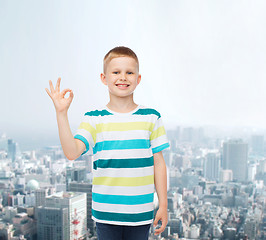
<point>90,120</point>
<point>121,208</point>
<point>128,118</point>
<point>123,223</point>
<point>158,124</point>
<point>159,141</point>
<point>122,135</point>
<point>117,190</point>
<point>126,153</point>
<point>124,172</point>
<point>119,118</point>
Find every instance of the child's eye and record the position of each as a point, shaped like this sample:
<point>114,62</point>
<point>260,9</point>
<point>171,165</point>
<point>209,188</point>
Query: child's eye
<point>115,72</point>
<point>130,73</point>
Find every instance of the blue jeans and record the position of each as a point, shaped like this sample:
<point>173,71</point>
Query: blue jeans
<point>120,232</point>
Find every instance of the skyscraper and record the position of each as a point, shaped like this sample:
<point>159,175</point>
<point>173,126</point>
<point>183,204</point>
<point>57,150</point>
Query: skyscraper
<point>11,149</point>
<point>235,157</point>
<point>40,195</point>
<point>75,174</point>
<point>3,143</point>
<point>74,222</point>
<point>212,166</point>
<point>53,223</point>
<point>257,144</point>
<point>84,187</point>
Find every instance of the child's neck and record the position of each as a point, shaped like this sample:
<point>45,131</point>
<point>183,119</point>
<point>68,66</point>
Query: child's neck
<point>121,105</point>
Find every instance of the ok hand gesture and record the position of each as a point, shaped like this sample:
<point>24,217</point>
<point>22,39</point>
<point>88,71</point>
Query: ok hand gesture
<point>60,102</point>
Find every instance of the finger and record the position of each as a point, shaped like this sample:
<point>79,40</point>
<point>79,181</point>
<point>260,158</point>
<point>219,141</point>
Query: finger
<point>155,222</point>
<point>48,92</point>
<point>65,91</point>
<point>71,95</point>
<point>159,230</point>
<point>164,223</point>
<point>57,87</point>
<point>51,86</point>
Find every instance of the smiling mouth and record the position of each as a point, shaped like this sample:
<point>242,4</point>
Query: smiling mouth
<point>122,85</point>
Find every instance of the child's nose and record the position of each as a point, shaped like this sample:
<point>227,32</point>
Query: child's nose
<point>123,76</point>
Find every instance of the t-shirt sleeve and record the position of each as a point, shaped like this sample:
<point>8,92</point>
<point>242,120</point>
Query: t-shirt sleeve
<point>158,137</point>
<point>87,134</point>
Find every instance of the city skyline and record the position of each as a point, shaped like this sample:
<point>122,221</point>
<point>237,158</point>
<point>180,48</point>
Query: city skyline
<point>29,142</point>
<point>202,63</point>
<point>208,196</point>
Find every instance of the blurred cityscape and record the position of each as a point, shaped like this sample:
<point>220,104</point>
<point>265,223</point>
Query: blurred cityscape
<point>216,189</point>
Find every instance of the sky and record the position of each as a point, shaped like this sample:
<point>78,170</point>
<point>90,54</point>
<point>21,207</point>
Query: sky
<point>202,62</point>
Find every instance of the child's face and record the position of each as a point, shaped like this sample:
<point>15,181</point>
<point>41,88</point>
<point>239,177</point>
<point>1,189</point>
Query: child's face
<point>121,76</point>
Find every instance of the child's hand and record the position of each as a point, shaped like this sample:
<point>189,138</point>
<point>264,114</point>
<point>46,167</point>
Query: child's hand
<point>161,215</point>
<point>60,102</point>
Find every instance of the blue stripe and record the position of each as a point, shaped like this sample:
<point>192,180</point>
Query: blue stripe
<point>83,139</point>
<point>122,217</point>
<point>122,199</point>
<point>121,145</point>
<point>160,148</point>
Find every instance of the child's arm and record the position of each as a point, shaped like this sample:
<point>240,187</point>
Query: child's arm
<point>160,178</point>
<point>72,147</point>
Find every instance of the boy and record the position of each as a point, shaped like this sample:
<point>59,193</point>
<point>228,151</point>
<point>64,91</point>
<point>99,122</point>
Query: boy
<point>126,141</point>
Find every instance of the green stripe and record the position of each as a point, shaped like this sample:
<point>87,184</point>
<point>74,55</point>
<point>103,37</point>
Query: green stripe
<point>122,199</point>
<point>123,163</point>
<point>123,217</point>
<point>98,113</point>
<point>147,111</point>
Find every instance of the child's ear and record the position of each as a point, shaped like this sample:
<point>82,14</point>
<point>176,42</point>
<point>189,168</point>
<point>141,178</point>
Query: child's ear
<point>139,79</point>
<point>103,78</point>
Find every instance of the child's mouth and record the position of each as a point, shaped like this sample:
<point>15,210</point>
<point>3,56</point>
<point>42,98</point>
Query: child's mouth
<point>122,85</point>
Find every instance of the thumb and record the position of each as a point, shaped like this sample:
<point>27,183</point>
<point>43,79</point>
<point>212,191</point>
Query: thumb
<point>155,222</point>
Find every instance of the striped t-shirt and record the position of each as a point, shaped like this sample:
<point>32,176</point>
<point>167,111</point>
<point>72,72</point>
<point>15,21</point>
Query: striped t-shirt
<point>122,145</point>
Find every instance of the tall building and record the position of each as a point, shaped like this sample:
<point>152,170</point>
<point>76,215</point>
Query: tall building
<point>212,166</point>
<point>52,223</point>
<point>257,144</point>
<point>250,228</point>
<point>84,187</point>
<point>40,195</point>
<point>252,168</point>
<point>75,174</point>
<point>192,135</point>
<point>235,157</point>
<point>3,143</point>
<point>261,168</point>
<point>176,226</point>
<point>77,211</point>
<point>187,134</point>
<point>11,149</point>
